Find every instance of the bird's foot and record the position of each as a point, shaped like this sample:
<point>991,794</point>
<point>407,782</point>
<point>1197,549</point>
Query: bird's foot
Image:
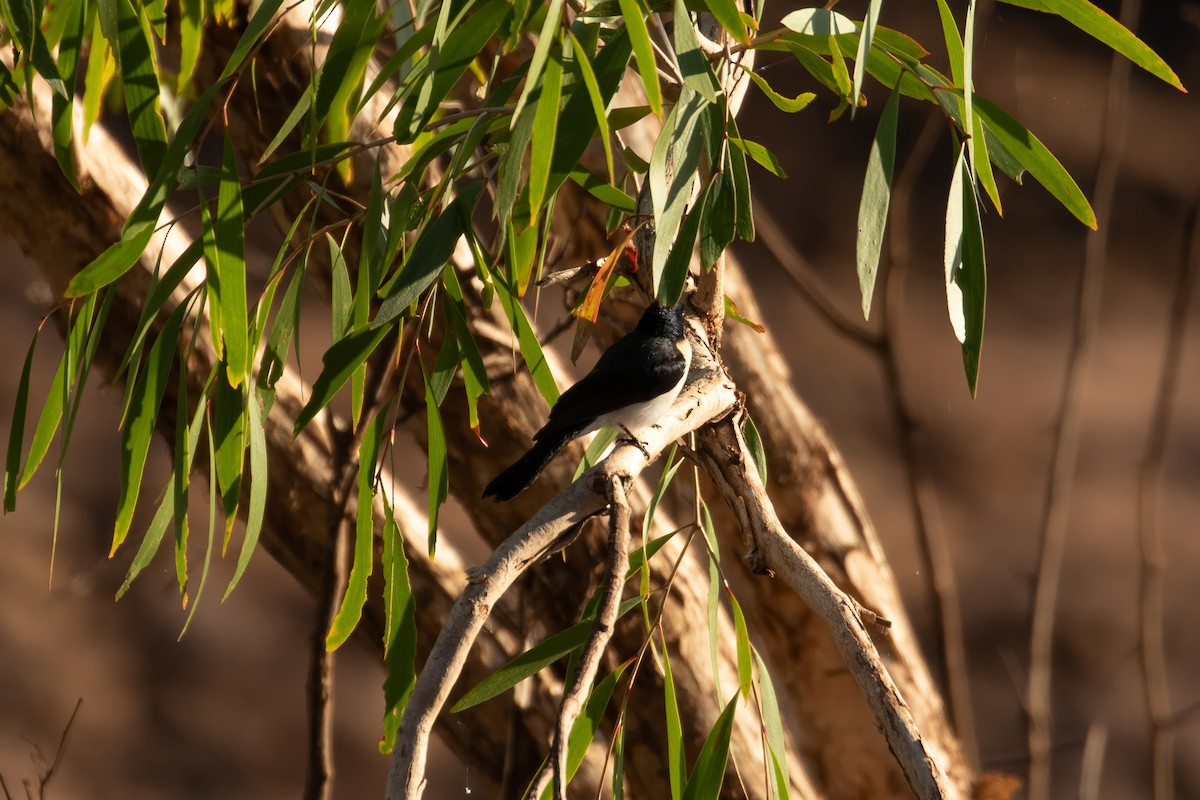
<point>633,440</point>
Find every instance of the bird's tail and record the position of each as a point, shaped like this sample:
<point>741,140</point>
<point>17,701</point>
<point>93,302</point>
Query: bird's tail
<point>515,479</point>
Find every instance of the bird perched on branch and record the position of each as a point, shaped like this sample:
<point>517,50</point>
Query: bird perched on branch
<point>631,386</point>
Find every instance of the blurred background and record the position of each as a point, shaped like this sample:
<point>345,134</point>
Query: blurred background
<point>220,712</point>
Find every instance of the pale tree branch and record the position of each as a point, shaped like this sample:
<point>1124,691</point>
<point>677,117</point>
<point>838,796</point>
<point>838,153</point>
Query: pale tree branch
<point>706,397</point>
<point>769,549</point>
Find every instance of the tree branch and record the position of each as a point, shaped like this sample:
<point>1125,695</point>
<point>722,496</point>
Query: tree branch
<point>768,549</point>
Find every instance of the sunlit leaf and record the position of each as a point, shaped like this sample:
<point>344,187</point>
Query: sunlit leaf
<point>1035,157</point>
<point>708,773</point>
<point>338,364</point>
<point>693,63</point>
<point>966,275</point>
<point>876,199</point>
<point>547,96</point>
<point>864,49</point>
<point>1095,22</point>
<point>355,597</point>
<point>400,630</point>
<point>147,396</point>
<point>673,167</point>
<point>639,35</point>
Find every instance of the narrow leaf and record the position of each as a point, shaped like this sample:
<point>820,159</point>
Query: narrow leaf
<point>864,50</point>
<point>876,198</point>
<point>547,96</point>
<point>139,427</point>
<point>437,463</point>
<point>639,35</point>
<point>338,364</point>
<point>16,433</point>
<point>400,630</point>
<point>258,488</point>
<point>355,597</point>
<point>225,246</point>
<point>1033,155</point>
<point>709,771</point>
<point>1096,23</point>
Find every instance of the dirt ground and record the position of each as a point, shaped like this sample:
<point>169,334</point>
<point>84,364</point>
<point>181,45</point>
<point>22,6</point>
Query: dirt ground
<point>220,712</point>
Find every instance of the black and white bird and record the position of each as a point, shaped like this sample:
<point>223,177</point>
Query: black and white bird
<point>632,385</point>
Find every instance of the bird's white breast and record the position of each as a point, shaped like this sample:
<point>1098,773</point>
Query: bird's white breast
<point>641,415</point>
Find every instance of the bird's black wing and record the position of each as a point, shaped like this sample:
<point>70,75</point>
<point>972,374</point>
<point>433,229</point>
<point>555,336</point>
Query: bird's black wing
<point>636,369</point>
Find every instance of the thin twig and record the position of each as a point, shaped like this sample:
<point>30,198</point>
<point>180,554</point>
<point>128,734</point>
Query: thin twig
<point>602,629</point>
<point>1056,509</point>
<point>48,774</point>
<point>318,781</point>
<point>1153,649</point>
<point>935,549</point>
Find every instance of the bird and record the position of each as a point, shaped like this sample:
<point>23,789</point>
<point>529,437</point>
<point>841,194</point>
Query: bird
<point>632,385</point>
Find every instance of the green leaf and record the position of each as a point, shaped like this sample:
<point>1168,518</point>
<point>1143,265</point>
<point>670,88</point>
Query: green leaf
<point>258,488</point>
<point>47,423</point>
<point>1033,155</point>
<point>876,198</point>
<point>709,770</point>
<point>675,271</point>
<point>602,191</point>
<point>224,250</point>
<point>451,57</point>
<point>742,641</point>
<point>341,73</point>
<point>147,396</point>
<point>527,341</point>
<point>754,444</point>
<point>1096,23</point>
<point>355,597</point>
<point>541,54</point>
<point>400,630</point>
<point>864,50</point>
<point>583,61</point>
<point>16,433</point>
<point>151,539</point>
<point>191,34</point>
<point>739,173</point>
<point>62,105</point>
<point>673,166</point>
<point>818,22</point>
<point>338,364</point>
<point>693,63</point>
<point>788,104</point>
<point>425,260</point>
<point>726,12</point>
<point>717,225</point>
<point>229,430</point>
<point>676,763</point>
<point>773,726</point>
<point>588,724</point>
<point>634,15</point>
<point>547,96</point>
<point>761,155</point>
<point>438,466</point>
<point>966,274</point>
<point>131,42</point>
<point>139,227</point>
<point>257,26</point>
<point>596,449</point>
<point>534,660</point>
